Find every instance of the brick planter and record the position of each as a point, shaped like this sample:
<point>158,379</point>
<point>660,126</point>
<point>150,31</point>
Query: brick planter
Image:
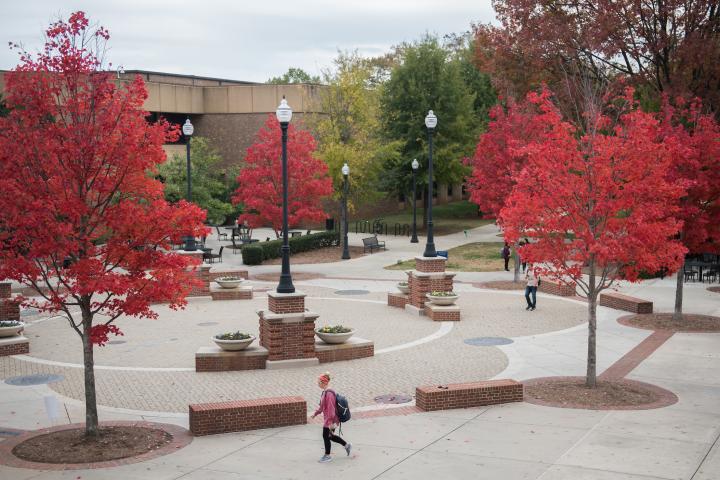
<point>466,395</point>
<point>286,302</point>
<point>430,264</point>
<point>422,283</point>
<point>202,272</point>
<point>242,415</point>
<point>215,359</point>
<point>557,288</point>
<point>625,302</point>
<point>350,350</point>
<point>18,345</point>
<point>239,293</point>
<point>438,313</point>
<point>397,300</point>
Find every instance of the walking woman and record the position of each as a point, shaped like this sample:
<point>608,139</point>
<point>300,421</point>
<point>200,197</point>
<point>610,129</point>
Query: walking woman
<point>531,288</point>
<point>327,408</point>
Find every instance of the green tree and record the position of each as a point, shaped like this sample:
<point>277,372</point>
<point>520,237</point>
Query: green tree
<point>348,130</point>
<point>427,78</point>
<point>294,75</point>
<point>212,184</point>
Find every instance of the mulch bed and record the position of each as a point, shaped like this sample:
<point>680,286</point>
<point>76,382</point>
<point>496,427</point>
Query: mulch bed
<point>71,446</point>
<point>664,321</point>
<point>571,392</point>
<point>501,285</point>
<point>321,255</point>
<point>714,289</point>
<point>275,276</point>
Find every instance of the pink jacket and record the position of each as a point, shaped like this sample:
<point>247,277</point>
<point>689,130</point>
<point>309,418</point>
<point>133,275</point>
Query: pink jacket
<point>327,407</point>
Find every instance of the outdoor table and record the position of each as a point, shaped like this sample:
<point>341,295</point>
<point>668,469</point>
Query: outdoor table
<point>700,266</point>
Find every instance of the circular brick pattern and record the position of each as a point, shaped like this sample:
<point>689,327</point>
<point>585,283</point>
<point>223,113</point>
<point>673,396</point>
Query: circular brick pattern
<point>393,399</point>
<point>714,289</point>
<point>36,379</point>
<point>663,398</point>
<point>180,438</point>
<point>487,341</point>
<point>690,322</point>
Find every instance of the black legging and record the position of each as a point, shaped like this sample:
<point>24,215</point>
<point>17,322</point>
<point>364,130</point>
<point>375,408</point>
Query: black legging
<point>327,436</point>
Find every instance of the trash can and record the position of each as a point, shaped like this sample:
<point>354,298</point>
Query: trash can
<point>329,224</point>
<point>442,253</point>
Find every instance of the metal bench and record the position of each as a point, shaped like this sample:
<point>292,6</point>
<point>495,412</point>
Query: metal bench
<point>372,243</point>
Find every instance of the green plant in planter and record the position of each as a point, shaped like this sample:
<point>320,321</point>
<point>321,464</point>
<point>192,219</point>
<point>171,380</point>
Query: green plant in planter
<point>229,279</point>
<point>334,329</point>
<point>10,323</point>
<point>403,284</point>
<point>233,336</point>
<point>438,293</point>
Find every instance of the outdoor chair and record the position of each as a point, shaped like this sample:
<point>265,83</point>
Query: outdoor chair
<point>235,247</point>
<point>211,257</point>
<point>221,235</point>
<point>690,275</point>
<point>711,276</point>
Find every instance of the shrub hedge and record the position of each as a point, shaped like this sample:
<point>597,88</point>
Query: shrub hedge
<point>267,250</point>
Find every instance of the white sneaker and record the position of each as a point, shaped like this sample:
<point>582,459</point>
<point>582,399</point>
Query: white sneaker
<point>325,459</point>
<point>348,447</point>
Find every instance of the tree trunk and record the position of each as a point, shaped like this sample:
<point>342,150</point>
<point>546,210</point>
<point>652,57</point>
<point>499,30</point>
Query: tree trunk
<point>516,270</point>
<point>591,378</point>
<point>677,314</point>
<point>91,415</point>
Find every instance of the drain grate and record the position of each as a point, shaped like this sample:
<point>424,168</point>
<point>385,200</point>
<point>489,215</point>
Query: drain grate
<point>393,399</point>
<point>37,379</point>
<point>351,292</point>
<point>207,324</point>
<point>488,341</point>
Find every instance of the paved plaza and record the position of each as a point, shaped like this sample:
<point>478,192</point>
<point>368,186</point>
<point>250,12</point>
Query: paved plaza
<point>148,374</point>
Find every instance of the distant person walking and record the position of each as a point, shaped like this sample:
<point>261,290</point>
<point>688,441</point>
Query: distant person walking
<point>506,256</point>
<point>531,289</point>
<point>524,263</point>
<point>331,421</point>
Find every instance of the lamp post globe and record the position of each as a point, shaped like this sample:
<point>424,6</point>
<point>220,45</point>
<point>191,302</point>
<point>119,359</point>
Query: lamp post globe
<point>284,115</point>
<point>415,165</point>
<point>346,249</point>
<point>430,123</point>
<point>188,131</point>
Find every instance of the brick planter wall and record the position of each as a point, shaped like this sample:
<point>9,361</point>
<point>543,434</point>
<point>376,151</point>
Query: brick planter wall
<point>430,264</point>
<point>355,348</point>
<point>398,300</point>
<point>202,272</point>
<point>242,415</point>
<point>557,288</point>
<point>466,395</point>
<point>625,302</point>
<point>240,293</point>
<point>14,346</point>
<point>213,359</point>
<point>437,313</point>
<point>423,283</point>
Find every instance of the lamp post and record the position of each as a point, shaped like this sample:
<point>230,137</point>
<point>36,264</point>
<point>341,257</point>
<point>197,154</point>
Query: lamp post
<point>284,115</point>
<point>415,166</point>
<point>346,249</point>
<point>430,123</point>
<point>188,130</point>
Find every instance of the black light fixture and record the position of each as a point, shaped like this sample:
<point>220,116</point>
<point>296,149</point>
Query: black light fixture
<point>430,123</point>
<point>346,249</point>
<point>415,165</point>
<point>188,130</point>
<point>284,115</point>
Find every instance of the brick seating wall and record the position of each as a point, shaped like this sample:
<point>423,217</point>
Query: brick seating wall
<point>287,341</point>
<point>15,349</point>
<point>231,294</point>
<point>230,363</point>
<point>466,395</point>
<point>242,415</point>
<point>556,288</point>
<point>619,301</point>
<point>437,315</point>
<point>345,354</point>
<point>398,300</point>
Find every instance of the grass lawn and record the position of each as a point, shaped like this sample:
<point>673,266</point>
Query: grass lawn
<point>448,218</point>
<point>473,257</point>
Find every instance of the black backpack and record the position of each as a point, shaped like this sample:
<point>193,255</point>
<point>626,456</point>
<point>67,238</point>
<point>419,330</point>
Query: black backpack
<point>342,409</point>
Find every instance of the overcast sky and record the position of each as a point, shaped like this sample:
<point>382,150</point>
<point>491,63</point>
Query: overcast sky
<point>242,40</point>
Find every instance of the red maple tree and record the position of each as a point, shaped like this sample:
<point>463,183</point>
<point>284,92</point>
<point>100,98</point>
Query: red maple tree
<point>696,138</point>
<point>599,199</point>
<point>82,221</point>
<point>260,180</point>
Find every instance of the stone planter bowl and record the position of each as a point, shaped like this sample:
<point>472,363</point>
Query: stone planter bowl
<point>404,288</point>
<point>442,301</point>
<point>335,338</point>
<point>229,283</point>
<point>233,345</point>
<point>11,331</point>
